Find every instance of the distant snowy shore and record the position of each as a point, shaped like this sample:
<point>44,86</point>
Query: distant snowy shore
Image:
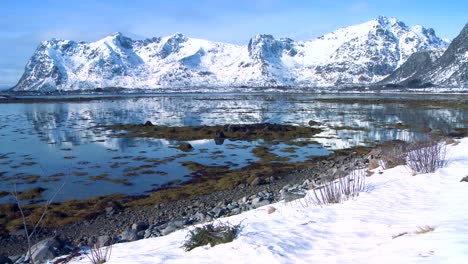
<point>382,225</point>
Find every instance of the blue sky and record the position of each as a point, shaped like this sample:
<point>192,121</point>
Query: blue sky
<point>24,23</point>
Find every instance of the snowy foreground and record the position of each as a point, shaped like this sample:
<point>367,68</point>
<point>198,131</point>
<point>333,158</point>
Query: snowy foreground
<point>362,230</point>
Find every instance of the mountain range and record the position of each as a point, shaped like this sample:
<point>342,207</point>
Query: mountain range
<point>383,50</point>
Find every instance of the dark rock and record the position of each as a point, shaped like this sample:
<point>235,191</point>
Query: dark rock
<point>314,123</point>
<point>5,260</point>
<point>46,249</point>
<point>464,179</point>
<point>128,235</point>
<point>219,134</point>
<point>455,134</point>
<point>185,147</point>
<point>140,226</point>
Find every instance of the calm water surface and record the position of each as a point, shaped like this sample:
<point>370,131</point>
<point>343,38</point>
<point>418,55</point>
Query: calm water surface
<point>44,144</point>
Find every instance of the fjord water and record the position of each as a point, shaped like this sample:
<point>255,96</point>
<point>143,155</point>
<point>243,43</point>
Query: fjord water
<point>45,144</point>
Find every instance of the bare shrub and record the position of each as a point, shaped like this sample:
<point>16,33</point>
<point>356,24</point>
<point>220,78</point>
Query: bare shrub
<point>393,156</point>
<point>427,156</point>
<point>339,189</point>
<point>99,255</point>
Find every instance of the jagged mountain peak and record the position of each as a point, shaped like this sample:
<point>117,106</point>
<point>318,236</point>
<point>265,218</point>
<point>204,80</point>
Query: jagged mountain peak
<point>389,21</point>
<point>448,67</point>
<point>358,54</point>
<point>177,37</point>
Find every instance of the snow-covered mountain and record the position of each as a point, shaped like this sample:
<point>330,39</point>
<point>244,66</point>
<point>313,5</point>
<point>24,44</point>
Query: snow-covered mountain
<point>359,54</point>
<point>439,66</point>
<point>452,67</point>
<point>419,62</point>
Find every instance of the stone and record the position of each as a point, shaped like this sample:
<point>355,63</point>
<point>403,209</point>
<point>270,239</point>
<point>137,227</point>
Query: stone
<point>5,260</point>
<point>236,211</point>
<point>198,216</point>
<point>243,200</point>
<point>110,211</point>
<point>217,212</point>
<point>141,234</point>
<point>291,196</point>
<point>232,206</point>
<point>140,226</point>
<point>169,229</point>
<point>128,235</point>
<point>260,204</point>
<point>464,179</point>
<point>103,241</point>
<point>180,222</point>
<point>148,233</point>
<point>185,147</point>
<point>314,123</point>
<point>208,218</point>
<point>271,209</point>
<point>46,249</point>
<point>256,200</point>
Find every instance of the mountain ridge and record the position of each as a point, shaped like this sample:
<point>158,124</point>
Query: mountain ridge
<point>359,54</point>
<point>436,67</point>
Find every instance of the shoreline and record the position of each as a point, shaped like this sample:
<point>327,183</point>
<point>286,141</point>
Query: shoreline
<point>114,220</point>
<point>6,98</point>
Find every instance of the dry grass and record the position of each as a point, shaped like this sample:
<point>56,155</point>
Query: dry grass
<point>271,209</point>
<point>420,230</point>
<point>373,164</point>
<point>424,229</point>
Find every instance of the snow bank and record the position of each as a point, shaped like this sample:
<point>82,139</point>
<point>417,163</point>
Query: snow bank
<point>357,231</point>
